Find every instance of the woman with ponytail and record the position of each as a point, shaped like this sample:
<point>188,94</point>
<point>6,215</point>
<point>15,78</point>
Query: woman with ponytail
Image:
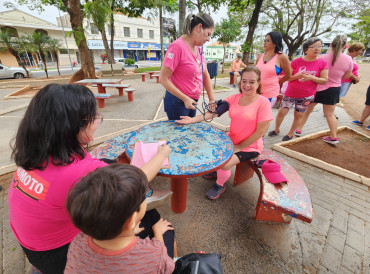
<point>340,66</point>
<point>184,69</point>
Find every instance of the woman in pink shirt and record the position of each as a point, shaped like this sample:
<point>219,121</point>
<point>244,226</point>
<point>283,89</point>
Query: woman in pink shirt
<point>308,71</point>
<point>184,69</point>
<point>340,66</point>
<point>250,115</point>
<point>354,50</point>
<point>271,64</point>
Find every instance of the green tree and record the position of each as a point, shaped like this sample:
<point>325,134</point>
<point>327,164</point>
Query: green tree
<point>9,41</point>
<point>299,19</point>
<point>54,45</point>
<point>225,32</point>
<point>38,42</point>
<point>361,29</point>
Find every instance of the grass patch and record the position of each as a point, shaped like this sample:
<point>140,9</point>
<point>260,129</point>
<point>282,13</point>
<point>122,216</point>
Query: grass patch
<point>219,88</point>
<point>141,70</point>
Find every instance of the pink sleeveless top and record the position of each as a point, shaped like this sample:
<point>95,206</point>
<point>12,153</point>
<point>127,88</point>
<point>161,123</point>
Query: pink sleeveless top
<point>269,79</point>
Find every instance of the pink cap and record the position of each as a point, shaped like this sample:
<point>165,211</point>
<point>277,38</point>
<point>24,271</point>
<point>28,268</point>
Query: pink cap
<point>271,171</point>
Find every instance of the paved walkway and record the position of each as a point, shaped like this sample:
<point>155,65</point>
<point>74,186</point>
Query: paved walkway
<point>337,240</point>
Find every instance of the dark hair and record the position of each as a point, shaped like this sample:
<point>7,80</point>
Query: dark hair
<point>306,44</point>
<point>101,203</point>
<point>193,20</point>
<point>277,39</point>
<point>50,126</point>
<point>337,45</point>
<point>256,71</point>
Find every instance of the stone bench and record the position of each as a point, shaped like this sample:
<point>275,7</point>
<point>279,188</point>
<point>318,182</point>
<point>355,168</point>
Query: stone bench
<point>156,76</point>
<point>101,97</point>
<point>119,87</point>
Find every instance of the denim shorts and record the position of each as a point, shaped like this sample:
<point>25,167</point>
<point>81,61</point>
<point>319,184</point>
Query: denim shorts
<point>175,107</point>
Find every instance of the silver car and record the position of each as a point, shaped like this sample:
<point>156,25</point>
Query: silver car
<point>13,72</point>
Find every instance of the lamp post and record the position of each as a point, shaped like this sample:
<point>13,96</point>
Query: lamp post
<point>65,39</point>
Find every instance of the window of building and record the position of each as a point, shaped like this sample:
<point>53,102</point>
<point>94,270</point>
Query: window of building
<point>139,33</point>
<point>151,34</point>
<point>12,31</point>
<point>126,31</point>
<point>94,29</point>
<point>63,51</point>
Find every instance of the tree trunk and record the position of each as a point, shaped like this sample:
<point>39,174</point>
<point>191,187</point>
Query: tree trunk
<point>182,13</point>
<point>15,54</point>
<point>76,16</point>
<point>55,54</point>
<point>111,25</point>
<point>251,28</point>
<point>107,49</point>
<point>161,32</point>
<point>43,59</point>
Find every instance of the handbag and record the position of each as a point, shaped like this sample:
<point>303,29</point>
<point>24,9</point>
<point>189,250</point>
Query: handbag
<point>197,263</point>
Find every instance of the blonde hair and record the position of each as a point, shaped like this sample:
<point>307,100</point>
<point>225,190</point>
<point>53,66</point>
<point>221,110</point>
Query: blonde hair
<point>257,71</point>
<point>193,20</point>
<point>337,45</point>
<point>356,46</point>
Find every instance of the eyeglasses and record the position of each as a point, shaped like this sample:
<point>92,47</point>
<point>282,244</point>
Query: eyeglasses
<point>315,47</point>
<point>100,117</point>
<point>266,41</point>
<point>150,193</point>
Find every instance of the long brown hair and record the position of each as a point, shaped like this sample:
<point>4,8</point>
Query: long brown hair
<point>337,45</point>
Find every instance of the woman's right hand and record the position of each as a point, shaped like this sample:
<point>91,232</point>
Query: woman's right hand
<point>185,120</point>
<point>164,150</point>
<point>190,103</point>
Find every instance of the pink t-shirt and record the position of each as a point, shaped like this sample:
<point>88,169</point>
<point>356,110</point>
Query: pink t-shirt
<point>37,198</point>
<point>139,256</point>
<point>342,65</point>
<point>354,71</point>
<point>269,79</point>
<point>186,69</point>
<point>244,120</point>
<point>236,65</point>
<point>298,89</point>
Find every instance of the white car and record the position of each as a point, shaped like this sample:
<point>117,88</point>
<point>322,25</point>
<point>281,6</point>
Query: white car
<point>13,72</point>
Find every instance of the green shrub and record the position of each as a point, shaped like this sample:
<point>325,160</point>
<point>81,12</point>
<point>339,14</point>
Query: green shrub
<point>129,61</point>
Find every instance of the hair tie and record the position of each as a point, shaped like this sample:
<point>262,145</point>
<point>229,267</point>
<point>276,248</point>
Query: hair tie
<point>192,17</point>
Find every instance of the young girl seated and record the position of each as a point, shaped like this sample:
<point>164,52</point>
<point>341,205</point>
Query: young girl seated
<point>250,115</point>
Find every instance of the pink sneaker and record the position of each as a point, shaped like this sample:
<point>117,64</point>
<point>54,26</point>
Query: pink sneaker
<point>329,140</point>
<point>297,133</point>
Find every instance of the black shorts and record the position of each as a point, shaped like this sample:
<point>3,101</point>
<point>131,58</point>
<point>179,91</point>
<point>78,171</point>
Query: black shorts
<point>328,96</point>
<point>367,102</point>
<point>244,156</point>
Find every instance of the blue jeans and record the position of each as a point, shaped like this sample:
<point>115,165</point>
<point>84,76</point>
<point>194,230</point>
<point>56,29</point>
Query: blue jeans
<point>175,107</point>
<point>344,88</point>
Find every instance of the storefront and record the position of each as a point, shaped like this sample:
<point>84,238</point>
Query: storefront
<point>97,47</point>
<point>143,51</point>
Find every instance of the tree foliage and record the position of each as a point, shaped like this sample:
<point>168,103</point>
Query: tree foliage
<point>225,32</point>
<point>54,45</point>
<point>38,42</point>
<point>361,29</point>
<point>299,19</point>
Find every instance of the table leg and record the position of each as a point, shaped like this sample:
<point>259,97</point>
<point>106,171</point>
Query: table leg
<point>130,96</point>
<point>179,188</point>
<point>143,77</point>
<point>120,91</point>
<point>100,88</point>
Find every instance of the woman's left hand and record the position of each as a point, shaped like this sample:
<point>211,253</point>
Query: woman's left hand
<point>212,105</point>
<point>185,120</point>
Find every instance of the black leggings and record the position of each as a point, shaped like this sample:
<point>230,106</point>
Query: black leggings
<point>54,261</point>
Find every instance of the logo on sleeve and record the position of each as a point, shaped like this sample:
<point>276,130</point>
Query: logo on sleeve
<point>30,184</point>
<point>170,55</point>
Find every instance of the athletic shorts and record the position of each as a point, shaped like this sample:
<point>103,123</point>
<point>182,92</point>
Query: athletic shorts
<point>246,155</point>
<point>367,102</point>
<point>300,104</point>
<point>328,96</point>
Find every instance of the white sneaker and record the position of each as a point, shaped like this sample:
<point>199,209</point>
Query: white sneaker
<point>158,198</point>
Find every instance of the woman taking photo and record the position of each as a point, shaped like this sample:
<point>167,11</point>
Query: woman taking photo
<point>250,115</point>
<point>184,69</point>
<point>308,71</point>
<point>340,66</point>
<point>50,155</point>
<point>271,64</point>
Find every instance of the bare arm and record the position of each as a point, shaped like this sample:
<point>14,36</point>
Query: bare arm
<point>185,120</point>
<point>285,66</point>
<point>322,79</point>
<point>164,78</point>
<point>261,129</point>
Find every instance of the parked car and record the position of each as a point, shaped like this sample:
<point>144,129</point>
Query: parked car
<point>13,72</point>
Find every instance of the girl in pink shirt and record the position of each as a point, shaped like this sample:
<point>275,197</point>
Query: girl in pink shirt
<point>250,115</point>
<point>184,68</point>
<point>271,64</point>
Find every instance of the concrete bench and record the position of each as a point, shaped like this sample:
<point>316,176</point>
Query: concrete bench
<point>101,97</point>
<point>117,69</point>
<point>130,94</point>
<point>277,202</point>
<point>151,73</point>
<point>156,76</point>
<point>143,76</point>
<point>120,87</point>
